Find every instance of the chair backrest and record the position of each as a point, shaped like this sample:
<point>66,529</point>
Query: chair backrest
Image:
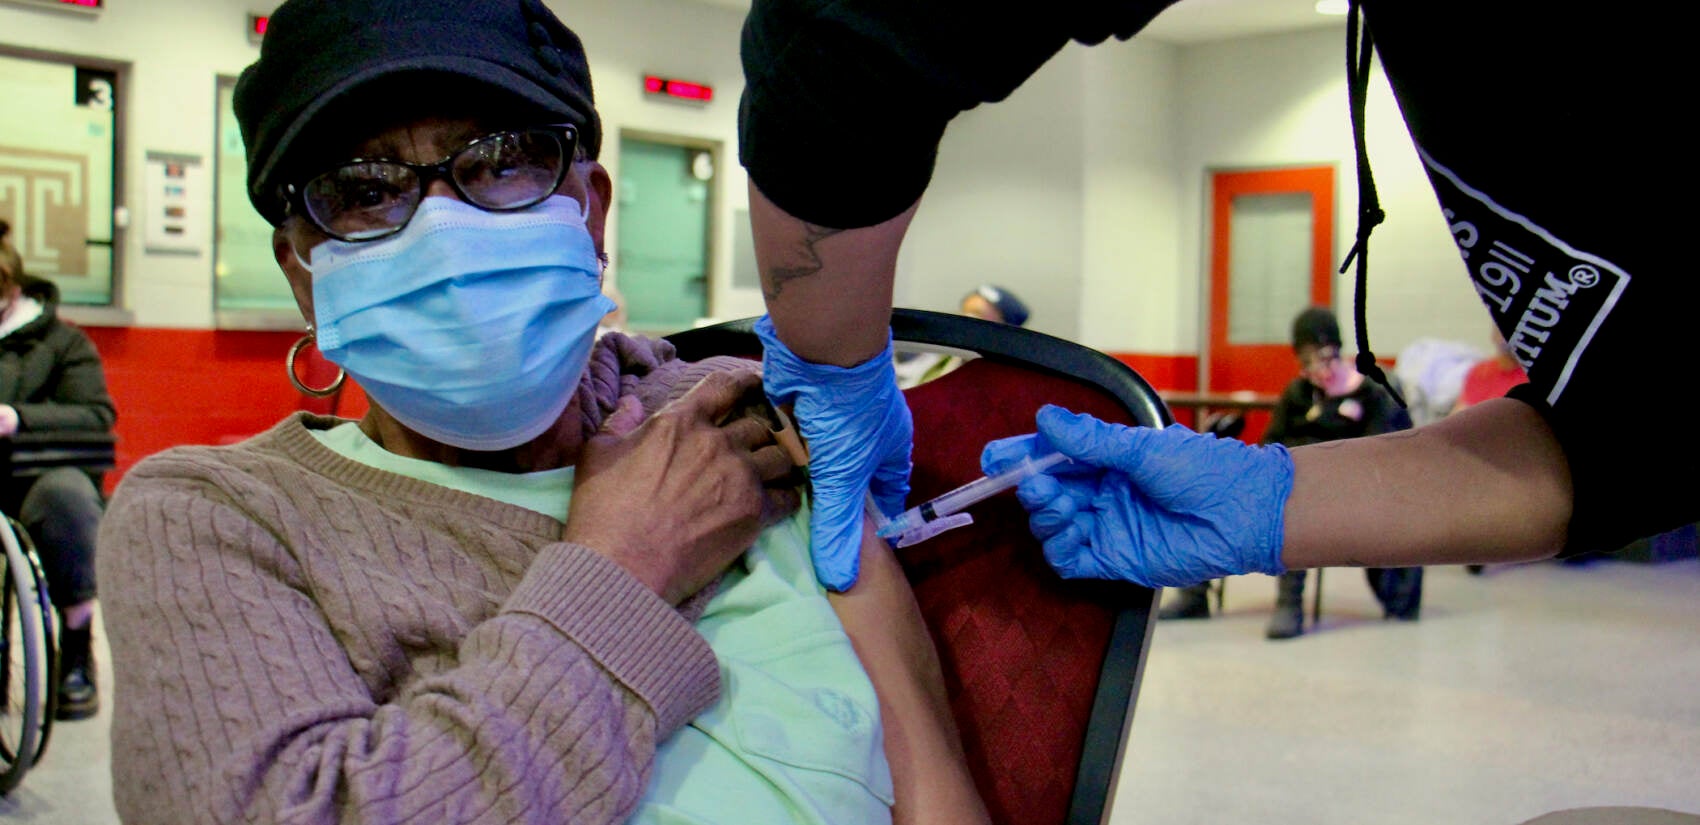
<point>1042,673</point>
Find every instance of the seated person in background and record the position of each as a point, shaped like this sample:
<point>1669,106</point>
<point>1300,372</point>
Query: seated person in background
<point>1491,377</point>
<point>986,302</point>
<point>548,577</point>
<point>996,304</point>
<point>1329,401</point>
<point>51,380</point>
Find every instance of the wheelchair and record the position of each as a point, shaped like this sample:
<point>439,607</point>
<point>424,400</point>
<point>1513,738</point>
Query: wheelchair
<point>28,668</point>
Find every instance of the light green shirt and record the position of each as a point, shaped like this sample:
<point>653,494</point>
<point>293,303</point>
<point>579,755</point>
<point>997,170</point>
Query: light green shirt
<point>795,736</point>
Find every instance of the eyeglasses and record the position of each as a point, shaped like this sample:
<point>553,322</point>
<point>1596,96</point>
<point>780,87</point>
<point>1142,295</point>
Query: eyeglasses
<point>369,199</point>
<point>1320,359</point>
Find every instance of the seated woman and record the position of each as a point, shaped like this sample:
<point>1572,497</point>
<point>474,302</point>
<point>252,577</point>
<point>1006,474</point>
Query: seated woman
<point>533,583</point>
<point>51,381</point>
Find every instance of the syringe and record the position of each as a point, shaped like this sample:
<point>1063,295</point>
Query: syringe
<point>968,494</point>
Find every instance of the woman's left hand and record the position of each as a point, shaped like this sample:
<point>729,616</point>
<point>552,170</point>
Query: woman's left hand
<point>676,498</point>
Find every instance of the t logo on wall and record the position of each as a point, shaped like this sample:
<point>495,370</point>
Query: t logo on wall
<point>58,168</point>
<point>44,195</point>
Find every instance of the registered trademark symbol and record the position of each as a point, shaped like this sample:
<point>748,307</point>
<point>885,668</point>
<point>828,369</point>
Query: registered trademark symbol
<point>1584,275</point>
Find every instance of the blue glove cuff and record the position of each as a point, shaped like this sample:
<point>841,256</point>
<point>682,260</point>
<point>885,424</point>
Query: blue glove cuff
<point>786,375</point>
<point>1278,487</point>
<point>859,435</point>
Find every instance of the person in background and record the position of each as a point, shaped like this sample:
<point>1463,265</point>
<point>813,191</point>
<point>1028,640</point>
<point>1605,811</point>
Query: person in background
<point>986,302</point>
<point>994,303</point>
<point>51,380</point>
<point>1329,401</point>
<point>1428,374</point>
<point>1491,377</point>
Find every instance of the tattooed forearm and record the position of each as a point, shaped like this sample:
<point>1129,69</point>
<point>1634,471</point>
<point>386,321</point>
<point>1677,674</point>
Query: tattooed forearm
<point>806,261</point>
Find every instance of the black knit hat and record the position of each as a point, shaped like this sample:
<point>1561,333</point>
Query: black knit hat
<point>318,51</point>
<point>1316,327</point>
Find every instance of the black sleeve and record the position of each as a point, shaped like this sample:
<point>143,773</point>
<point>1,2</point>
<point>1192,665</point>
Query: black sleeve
<point>77,398</point>
<point>1554,172</point>
<point>1385,414</point>
<point>1295,398</point>
<point>845,101</point>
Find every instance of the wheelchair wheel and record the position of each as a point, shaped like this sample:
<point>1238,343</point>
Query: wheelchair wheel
<point>26,659</point>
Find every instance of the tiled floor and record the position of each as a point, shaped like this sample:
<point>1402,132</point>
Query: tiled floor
<point>1521,691</point>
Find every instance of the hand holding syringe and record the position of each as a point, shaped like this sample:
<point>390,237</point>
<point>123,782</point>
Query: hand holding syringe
<point>918,523</point>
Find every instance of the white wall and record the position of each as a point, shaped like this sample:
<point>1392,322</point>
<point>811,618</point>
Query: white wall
<point>177,48</point>
<point>627,39</point>
<point>1281,100</point>
<point>1083,193</point>
<point>1133,295</point>
<point>1007,203</point>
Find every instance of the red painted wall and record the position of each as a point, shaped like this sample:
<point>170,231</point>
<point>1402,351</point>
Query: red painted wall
<point>198,386</point>
<point>1177,373</point>
<point>1166,373</point>
<point>181,386</point>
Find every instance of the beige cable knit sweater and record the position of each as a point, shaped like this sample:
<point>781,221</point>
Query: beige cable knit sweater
<point>300,638</point>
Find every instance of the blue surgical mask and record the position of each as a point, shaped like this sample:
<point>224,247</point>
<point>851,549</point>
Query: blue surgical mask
<point>469,327</point>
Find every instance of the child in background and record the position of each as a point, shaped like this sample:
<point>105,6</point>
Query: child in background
<point>1329,401</point>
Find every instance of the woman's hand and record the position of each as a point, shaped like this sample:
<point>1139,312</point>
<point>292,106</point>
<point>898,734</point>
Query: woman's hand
<point>676,498</point>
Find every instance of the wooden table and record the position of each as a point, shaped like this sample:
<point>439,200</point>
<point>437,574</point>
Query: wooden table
<point>1220,400</point>
<point>1196,409</point>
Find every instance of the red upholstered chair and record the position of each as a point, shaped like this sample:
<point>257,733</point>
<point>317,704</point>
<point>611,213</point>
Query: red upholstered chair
<point>1042,672</point>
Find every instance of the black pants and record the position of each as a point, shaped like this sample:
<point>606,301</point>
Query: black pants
<point>61,510</point>
<point>1399,589</point>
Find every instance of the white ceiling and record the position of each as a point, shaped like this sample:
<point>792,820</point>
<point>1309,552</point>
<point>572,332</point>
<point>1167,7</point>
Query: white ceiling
<point>1198,21</point>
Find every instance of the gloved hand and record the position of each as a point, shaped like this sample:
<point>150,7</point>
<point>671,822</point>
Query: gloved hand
<point>1161,508</point>
<point>858,430</point>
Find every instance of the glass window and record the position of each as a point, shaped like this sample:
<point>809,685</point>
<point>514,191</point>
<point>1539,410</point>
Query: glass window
<point>58,158</point>
<point>1269,256</point>
<point>248,288</point>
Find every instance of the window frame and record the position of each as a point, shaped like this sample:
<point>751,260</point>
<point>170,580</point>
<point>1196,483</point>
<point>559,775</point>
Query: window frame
<point>116,312</point>
<point>241,318</point>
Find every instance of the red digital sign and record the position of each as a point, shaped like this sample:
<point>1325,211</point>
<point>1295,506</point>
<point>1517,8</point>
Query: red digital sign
<point>680,89</point>
<point>78,5</point>
<point>257,25</point>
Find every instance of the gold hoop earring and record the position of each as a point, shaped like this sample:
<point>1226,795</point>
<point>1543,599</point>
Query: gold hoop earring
<point>289,367</point>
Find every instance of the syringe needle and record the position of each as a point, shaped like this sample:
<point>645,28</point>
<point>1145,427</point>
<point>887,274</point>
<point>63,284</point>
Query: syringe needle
<point>969,494</point>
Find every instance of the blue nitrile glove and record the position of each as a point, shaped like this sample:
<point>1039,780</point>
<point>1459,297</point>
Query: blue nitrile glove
<point>858,431</point>
<point>1161,508</point>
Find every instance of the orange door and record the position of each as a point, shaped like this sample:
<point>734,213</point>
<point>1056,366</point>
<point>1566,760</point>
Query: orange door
<point>1271,255</point>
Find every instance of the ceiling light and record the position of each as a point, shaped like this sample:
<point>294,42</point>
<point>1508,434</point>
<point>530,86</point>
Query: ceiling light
<point>1334,7</point>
